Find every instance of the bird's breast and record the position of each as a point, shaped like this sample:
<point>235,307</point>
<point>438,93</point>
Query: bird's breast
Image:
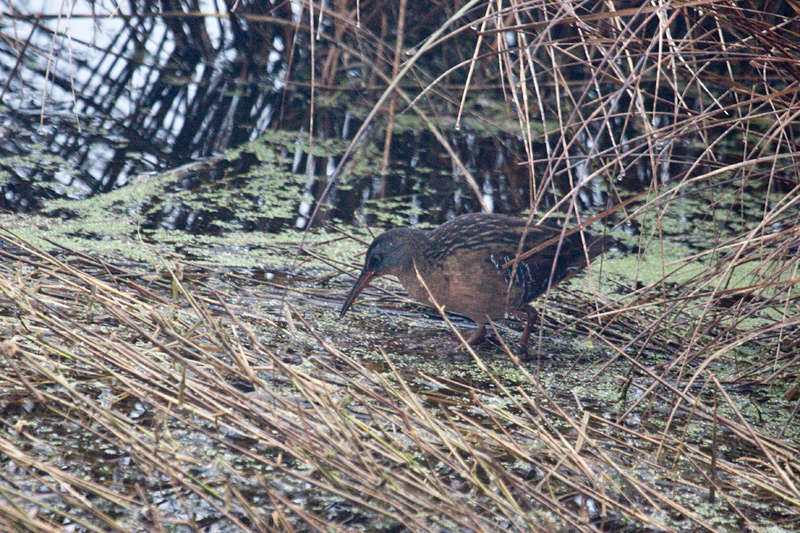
<point>476,287</point>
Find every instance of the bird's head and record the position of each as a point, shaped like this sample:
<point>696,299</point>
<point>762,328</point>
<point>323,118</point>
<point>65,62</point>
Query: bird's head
<point>390,253</point>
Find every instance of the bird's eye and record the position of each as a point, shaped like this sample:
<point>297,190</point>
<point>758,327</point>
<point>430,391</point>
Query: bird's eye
<point>374,262</point>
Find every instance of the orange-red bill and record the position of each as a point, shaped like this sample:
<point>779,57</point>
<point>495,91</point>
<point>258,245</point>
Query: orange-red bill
<point>362,282</point>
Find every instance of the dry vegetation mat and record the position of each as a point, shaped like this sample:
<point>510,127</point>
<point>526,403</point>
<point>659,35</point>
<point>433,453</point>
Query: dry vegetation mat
<point>145,398</point>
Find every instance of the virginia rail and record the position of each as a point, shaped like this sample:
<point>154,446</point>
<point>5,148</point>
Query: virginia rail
<point>462,262</point>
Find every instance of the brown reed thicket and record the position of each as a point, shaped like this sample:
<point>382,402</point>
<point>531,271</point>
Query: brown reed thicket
<point>156,397</point>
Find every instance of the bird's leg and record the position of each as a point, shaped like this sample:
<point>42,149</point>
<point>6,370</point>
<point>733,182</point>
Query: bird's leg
<point>478,336</point>
<point>526,333</point>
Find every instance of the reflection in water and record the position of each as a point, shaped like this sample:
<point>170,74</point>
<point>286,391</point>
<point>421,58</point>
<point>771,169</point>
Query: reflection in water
<point>152,89</point>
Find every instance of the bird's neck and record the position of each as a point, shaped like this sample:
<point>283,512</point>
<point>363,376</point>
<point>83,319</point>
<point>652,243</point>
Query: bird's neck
<point>418,247</point>
<point>417,243</point>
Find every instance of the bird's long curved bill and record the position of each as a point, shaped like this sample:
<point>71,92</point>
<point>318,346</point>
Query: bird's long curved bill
<point>362,281</point>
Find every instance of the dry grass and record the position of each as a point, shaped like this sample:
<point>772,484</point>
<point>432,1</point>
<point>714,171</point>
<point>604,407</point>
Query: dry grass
<point>152,404</point>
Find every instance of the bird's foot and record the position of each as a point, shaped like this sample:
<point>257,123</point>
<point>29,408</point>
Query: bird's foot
<point>532,316</point>
<point>478,336</point>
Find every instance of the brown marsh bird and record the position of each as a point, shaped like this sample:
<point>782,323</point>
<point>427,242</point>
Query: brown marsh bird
<point>462,262</point>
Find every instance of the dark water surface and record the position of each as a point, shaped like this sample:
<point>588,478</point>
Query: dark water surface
<point>140,92</point>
